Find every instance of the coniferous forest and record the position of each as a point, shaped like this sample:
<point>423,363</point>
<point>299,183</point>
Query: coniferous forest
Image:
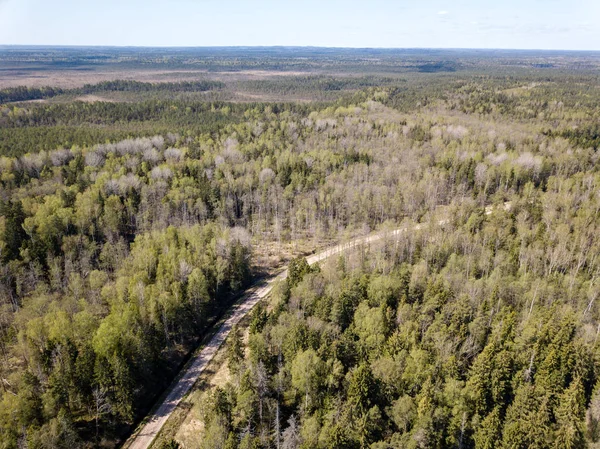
<point>134,213</point>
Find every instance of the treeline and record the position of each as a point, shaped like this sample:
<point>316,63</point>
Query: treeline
<point>171,112</point>
<point>315,85</point>
<point>138,86</point>
<point>47,127</point>
<point>24,130</point>
<point>23,93</point>
<point>19,141</point>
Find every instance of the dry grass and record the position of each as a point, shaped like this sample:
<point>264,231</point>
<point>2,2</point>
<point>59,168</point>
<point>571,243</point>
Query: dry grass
<point>69,78</point>
<point>271,256</point>
<point>94,98</point>
<point>185,424</point>
<point>190,432</point>
<point>73,78</point>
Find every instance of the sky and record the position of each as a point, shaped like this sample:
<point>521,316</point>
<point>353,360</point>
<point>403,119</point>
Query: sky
<point>510,24</point>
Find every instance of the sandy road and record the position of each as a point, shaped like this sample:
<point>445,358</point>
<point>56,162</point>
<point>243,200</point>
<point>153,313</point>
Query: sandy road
<point>143,439</point>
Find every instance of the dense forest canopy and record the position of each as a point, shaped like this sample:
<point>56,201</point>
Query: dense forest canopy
<point>128,226</point>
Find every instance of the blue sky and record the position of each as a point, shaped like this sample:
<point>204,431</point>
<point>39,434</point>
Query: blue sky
<point>522,24</point>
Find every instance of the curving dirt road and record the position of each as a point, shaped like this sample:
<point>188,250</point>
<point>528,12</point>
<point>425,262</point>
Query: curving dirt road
<point>143,439</point>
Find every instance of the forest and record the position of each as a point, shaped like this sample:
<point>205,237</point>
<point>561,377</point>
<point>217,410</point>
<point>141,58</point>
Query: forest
<point>23,93</point>
<point>128,227</point>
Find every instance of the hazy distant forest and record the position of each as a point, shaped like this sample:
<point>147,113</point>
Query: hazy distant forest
<point>141,190</point>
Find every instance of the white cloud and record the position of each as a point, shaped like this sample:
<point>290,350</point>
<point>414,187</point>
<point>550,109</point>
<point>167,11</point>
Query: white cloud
<point>443,13</point>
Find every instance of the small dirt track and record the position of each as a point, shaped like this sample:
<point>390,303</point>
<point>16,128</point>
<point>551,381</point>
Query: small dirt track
<point>144,437</point>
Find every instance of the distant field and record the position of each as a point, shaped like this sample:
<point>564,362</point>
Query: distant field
<point>74,67</point>
<point>69,78</point>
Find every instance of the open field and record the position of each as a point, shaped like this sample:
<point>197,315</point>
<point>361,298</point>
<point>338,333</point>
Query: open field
<point>69,78</point>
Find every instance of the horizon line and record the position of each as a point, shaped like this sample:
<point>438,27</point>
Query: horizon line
<point>324,47</point>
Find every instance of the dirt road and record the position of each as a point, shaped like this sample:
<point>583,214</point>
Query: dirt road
<point>143,439</point>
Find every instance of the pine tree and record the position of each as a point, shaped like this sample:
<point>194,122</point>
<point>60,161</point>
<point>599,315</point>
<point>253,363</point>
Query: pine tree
<point>569,417</point>
<point>14,234</point>
<point>488,434</point>
<point>235,350</point>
